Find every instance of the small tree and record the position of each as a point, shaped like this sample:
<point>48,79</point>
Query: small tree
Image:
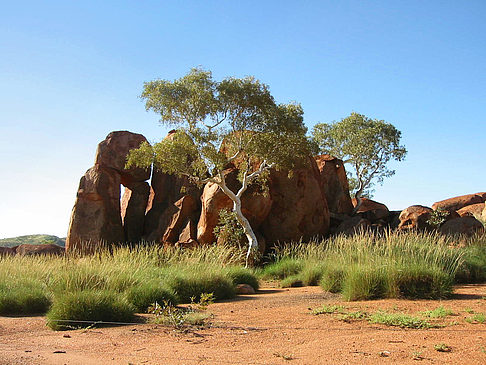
<point>366,144</point>
<point>218,123</point>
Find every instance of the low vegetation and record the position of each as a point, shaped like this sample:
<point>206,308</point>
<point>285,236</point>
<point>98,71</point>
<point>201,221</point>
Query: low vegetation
<point>33,239</point>
<point>78,291</point>
<point>395,265</point>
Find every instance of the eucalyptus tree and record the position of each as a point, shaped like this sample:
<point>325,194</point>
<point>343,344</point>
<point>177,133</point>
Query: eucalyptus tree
<point>219,123</point>
<point>364,143</point>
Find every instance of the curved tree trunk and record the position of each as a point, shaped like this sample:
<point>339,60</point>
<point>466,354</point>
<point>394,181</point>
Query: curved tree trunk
<point>250,235</point>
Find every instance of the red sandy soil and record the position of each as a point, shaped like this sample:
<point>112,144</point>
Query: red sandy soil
<point>274,326</point>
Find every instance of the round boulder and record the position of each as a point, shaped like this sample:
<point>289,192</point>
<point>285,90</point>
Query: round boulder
<point>462,225</point>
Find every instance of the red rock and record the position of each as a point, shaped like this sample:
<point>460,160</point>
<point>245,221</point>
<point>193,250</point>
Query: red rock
<point>462,225</point>
<point>96,218</point>
<point>483,216</point>
<point>334,184</point>
<point>255,205</point>
<point>299,209</point>
<point>353,226</point>
<point>244,289</point>
<point>458,202</point>
<point>371,209</point>
<point>42,249</point>
<point>415,217</point>
<point>188,234</point>
<point>471,210</point>
<point>179,213</point>
<point>7,251</point>
<point>112,153</point>
<point>133,207</point>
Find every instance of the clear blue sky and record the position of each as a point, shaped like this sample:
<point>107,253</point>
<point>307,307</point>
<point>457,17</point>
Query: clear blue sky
<point>71,72</point>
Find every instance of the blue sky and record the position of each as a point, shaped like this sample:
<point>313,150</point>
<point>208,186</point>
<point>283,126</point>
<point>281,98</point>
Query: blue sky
<point>71,72</point>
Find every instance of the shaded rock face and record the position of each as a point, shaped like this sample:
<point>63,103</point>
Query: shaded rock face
<point>371,209</point>
<point>462,225</point>
<point>353,226</point>
<point>255,205</point>
<point>96,218</point>
<point>44,249</point>
<point>415,217</point>
<point>471,210</point>
<point>299,209</point>
<point>334,184</point>
<point>458,202</point>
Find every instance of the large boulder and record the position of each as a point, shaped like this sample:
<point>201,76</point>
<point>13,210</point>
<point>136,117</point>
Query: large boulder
<point>415,217</point>
<point>256,205</point>
<point>458,202</point>
<point>96,217</point>
<point>112,153</point>
<point>483,216</point>
<point>7,251</point>
<point>334,184</point>
<point>42,249</point>
<point>299,209</point>
<point>462,225</point>
<point>471,210</point>
<point>353,225</point>
<point>133,207</point>
<point>371,210</point>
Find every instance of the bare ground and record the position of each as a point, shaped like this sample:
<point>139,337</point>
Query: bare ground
<point>273,327</point>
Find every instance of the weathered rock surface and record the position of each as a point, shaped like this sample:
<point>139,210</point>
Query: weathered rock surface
<point>415,217</point>
<point>133,206</point>
<point>334,184</point>
<point>112,153</point>
<point>371,209</point>
<point>43,249</point>
<point>96,216</point>
<point>299,209</point>
<point>471,210</point>
<point>255,204</point>
<point>458,202</point>
<point>7,251</point>
<point>353,225</point>
<point>484,214</point>
<point>244,289</point>
<point>462,225</point>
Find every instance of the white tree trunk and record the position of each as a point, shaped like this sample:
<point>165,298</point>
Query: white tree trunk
<point>250,235</point>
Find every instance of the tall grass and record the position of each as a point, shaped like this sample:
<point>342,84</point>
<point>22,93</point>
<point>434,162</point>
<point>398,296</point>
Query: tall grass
<point>365,266</point>
<point>136,277</point>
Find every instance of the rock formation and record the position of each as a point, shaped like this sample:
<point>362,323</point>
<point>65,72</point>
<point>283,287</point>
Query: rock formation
<point>471,210</point>
<point>371,209</point>
<point>458,202</point>
<point>41,249</point>
<point>462,225</point>
<point>415,217</point>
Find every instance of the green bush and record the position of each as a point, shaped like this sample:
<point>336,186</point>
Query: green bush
<point>85,308</point>
<point>332,278</point>
<point>23,298</point>
<point>241,275</point>
<point>144,295</point>
<point>282,268</point>
<point>365,282</point>
<point>190,286</point>
<point>473,267</point>
<point>311,273</point>
<point>423,282</point>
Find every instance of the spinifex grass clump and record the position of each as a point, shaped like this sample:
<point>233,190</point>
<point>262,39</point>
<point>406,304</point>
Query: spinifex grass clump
<point>137,277</point>
<point>411,265</point>
<point>85,308</point>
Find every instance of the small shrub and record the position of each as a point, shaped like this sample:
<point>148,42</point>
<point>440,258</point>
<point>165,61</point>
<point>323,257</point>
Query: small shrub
<point>473,267</point>
<point>291,282</point>
<point>438,217</point>
<point>84,308</point>
<point>439,312</point>
<point>328,309</point>
<point>282,268</point>
<point>424,282</point>
<point>477,318</point>
<point>241,275</point>
<point>311,273</point>
<point>146,294</point>
<point>442,347</point>
<point>399,320</point>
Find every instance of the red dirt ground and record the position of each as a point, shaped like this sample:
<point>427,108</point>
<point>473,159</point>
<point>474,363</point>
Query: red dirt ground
<point>273,327</point>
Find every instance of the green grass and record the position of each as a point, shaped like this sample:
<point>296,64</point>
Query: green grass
<point>400,320</point>
<point>477,318</point>
<point>86,308</point>
<point>33,239</point>
<point>136,278</point>
<point>439,312</point>
<point>394,265</point>
<point>329,309</point>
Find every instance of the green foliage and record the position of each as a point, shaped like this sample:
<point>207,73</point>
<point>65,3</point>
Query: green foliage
<point>442,347</point>
<point>328,309</point>
<point>86,308</point>
<point>400,320</point>
<point>364,283</point>
<point>228,229</point>
<point>366,144</point>
<point>473,267</point>
<point>438,217</point>
<point>439,312</point>
<point>477,318</point>
<point>34,239</point>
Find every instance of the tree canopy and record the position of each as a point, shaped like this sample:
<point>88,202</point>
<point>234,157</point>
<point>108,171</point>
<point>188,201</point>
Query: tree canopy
<point>364,143</point>
<point>235,120</point>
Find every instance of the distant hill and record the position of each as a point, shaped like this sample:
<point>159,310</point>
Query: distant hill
<point>33,239</point>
